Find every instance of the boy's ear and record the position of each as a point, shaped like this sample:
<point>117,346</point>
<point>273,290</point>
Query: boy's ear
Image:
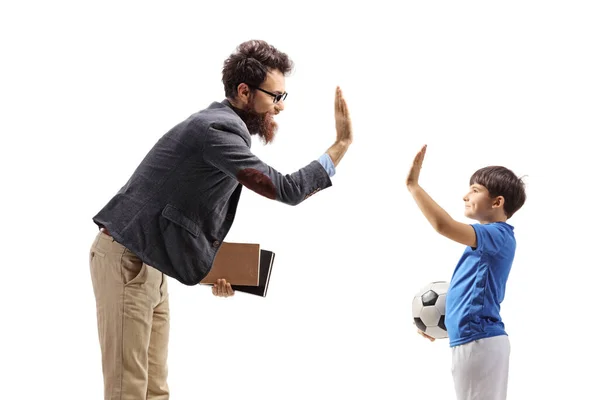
<point>498,202</point>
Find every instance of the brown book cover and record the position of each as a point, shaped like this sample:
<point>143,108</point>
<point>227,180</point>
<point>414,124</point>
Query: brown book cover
<point>238,263</point>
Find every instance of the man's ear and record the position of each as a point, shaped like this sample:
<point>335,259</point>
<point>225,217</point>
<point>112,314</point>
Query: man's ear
<point>243,93</point>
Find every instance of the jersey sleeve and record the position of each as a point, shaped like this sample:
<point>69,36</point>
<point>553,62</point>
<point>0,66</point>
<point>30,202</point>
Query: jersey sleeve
<point>490,237</point>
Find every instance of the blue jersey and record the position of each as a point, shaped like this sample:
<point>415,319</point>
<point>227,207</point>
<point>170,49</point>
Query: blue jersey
<point>478,284</point>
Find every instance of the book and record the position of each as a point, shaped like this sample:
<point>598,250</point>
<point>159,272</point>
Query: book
<point>237,263</point>
<point>266,264</point>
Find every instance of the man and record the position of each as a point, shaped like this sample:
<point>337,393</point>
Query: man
<point>172,215</point>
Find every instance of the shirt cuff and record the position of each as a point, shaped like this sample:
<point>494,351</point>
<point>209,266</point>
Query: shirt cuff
<point>326,162</point>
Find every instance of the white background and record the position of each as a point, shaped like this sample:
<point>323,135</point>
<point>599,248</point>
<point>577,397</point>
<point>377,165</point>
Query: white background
<point>86,89</point>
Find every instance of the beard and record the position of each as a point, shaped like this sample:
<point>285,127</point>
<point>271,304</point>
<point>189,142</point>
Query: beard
<point>261,124</point>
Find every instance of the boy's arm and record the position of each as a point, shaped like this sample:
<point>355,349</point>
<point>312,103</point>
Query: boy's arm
<point>441,221</point>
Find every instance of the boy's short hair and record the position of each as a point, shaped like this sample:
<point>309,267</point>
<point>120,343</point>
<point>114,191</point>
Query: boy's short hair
<point>501,181</point>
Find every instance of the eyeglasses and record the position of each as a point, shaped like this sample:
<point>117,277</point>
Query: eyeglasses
<point>276,97</point>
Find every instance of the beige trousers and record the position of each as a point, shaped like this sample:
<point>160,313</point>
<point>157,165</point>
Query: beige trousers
<point>132,306</point>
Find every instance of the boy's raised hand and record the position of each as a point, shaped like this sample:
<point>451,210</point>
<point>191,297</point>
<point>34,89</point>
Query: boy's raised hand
<point>415,169</point>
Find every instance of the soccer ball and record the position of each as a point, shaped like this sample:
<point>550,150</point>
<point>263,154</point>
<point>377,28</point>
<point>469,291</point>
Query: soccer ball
<point>429,309</point>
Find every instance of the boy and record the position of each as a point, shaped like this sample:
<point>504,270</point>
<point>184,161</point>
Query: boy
<point>480,345</point>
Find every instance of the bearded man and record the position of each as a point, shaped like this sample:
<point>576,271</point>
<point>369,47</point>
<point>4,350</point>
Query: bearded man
<point>172,215</point>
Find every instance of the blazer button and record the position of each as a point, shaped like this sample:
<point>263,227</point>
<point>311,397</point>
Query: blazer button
<point>216,243</point>
<point>229,217</point>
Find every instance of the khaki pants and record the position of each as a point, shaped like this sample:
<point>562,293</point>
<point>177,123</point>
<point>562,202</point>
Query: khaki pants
<point>132,306</point>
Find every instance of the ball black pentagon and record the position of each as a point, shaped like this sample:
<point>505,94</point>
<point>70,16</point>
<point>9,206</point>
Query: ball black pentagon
<point>429,298</point>
<point>420,324</point>
<point>442,323</point>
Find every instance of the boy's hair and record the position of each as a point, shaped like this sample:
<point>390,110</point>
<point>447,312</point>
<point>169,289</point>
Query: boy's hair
<point>501,181</point>
<point>250,63</point>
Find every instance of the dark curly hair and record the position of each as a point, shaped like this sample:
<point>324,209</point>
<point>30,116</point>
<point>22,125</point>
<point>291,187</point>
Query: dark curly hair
<point>250,63</point>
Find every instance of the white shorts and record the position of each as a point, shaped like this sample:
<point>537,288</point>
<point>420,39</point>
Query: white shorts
<point>480,369</point>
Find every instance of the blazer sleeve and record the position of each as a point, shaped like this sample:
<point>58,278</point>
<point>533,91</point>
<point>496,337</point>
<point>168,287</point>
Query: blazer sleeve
<point>230,153</point>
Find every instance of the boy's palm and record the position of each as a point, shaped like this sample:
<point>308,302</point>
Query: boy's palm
<point>415,169</point>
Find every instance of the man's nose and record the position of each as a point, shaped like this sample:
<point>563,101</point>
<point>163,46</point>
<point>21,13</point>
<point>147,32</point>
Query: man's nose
<point>280,106</point>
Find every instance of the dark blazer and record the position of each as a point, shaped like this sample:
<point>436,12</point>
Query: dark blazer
<point>177,207</point>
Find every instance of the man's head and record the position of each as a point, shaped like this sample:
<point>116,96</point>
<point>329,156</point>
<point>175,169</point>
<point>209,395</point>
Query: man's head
<point>254,80</point>
<point>495,194</point>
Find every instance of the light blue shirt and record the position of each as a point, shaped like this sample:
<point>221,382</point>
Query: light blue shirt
<point>326,162</point>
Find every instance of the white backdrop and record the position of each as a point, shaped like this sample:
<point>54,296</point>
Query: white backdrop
<point>86,88</point>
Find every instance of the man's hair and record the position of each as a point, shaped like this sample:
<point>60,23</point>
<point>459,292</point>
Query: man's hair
<point>250,63</point>
<point>501,181</point>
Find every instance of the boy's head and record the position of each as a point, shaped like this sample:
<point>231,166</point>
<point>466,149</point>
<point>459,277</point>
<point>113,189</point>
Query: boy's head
<point>495,194</point>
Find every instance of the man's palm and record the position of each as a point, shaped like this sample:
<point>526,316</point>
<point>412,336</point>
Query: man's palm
<point>343,123</point>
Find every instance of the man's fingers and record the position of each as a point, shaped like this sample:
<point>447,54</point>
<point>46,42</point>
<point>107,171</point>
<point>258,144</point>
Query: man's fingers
<point>222,288</point>
<point>345,109</point>
<point>340,102</point>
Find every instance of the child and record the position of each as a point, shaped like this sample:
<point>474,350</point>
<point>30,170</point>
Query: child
<point>480,345</point>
